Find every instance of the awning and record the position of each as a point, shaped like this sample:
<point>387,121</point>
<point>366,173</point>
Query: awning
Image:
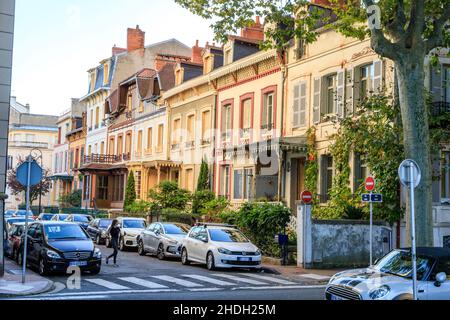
<point>61,177</point>
<point>162,163</point>
<point>289,144</point>
<point>104,168</point>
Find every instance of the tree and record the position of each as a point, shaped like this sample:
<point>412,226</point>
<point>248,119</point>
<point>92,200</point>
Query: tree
<point>203,178</point>
<point>71,200</point>
<point>16,188</point>
<point>130,191</point>
<point>405,31</point>
<point>167,195</point>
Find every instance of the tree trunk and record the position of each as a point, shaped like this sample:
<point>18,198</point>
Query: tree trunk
<point>411,78</point>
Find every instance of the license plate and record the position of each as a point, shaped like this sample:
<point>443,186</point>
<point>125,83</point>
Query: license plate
<point>78,263</point>
<point>333,297</point>
<point>244,259</point>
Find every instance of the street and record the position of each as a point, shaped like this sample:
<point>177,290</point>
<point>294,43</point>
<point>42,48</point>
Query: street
<point>147,278</point>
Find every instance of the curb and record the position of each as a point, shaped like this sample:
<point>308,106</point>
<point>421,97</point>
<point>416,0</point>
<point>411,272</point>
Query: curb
<point>270,270</point>
<point>50,286</point>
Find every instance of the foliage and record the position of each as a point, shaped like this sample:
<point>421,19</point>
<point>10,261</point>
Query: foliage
<point>213,208</point>
<point>203,178</point>
<point>168,195</point>
<point>71,200</point>
<point>174,215</point>
<point>16,188</point>
<point>130,191</point>
<point>138,206</point>
<point>312,165</point>
<point>200,199</point>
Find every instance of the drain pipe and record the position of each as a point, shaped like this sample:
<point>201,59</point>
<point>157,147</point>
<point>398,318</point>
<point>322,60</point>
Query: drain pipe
<point>281,154</point>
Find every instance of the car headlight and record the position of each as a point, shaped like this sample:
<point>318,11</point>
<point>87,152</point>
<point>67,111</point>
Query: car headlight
<point>97,253</point>
<point>170,241</point>
<point>379,293</point>
<point>224,251</point>
<point>258,252</point>
<point>53,255</point>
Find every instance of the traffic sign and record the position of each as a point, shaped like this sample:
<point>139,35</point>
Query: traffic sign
<point>366,197</point>
<point>307,197</point>
<point>409,169</point>
<point>35,173</point>
<point>373,197</point>
<point>370,184</point>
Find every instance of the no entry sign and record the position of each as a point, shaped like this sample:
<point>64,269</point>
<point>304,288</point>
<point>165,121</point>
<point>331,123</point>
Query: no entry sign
<point>307,197</point>
<point>370,184</point>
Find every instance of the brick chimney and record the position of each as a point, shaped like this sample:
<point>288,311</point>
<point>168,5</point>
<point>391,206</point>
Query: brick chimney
<point>255,31</point>
<point>197,53</point>
<point>135,39</point>
<point>117,50</point>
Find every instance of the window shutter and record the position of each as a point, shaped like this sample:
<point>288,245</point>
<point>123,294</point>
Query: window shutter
<point>436,183</point>
<point>356,88</point>
<point>340,93</point>
<point>302,114</point>
<point>349,75</point>
<point>316,101</point>
<point>437,83</point>
<point>378,76</point>
<point>323,178</point>
<point>296,106</point>
<point>357,171</point>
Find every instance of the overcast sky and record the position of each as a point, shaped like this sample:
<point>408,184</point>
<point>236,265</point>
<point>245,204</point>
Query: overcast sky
<point>57,41</point>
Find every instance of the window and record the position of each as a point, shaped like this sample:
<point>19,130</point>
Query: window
<point>119,145</point>
<point>149,140</point>
<point>267,113</point>
<point>102,148</point>
<point>189,180</point>
<point>82,156</point>
<point>139,143</point>
<point>190,130</point>
<point>130,102</point>
<point>226,122</point>
<point>246,117</point>
<point>361,170</point>
<point>111,145</point>
<point>77,158</point>
<point>91,120</point>
<point>102,191</point>
<point>160,137</point>
<point>138,177</point>
<point>105,74</point>
<point>11,162</point>
<point>176,133</point>
<point>445,176</point>
<point>206,127</point>
<point>447,83</point>
<point>366,78</point>
<point>97,117</point>
<point>225,181</point>
<point>141,106</point>
<point>118,187</point>
<point>243,184</point>
<point>71,160</point>
<point>299,105</point>
<point>327,177</point>
<point>228,57</point>
<point>128,143</point>
<point>331,100</point>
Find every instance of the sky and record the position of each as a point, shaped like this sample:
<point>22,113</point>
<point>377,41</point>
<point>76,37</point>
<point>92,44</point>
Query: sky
<point>57,41</point>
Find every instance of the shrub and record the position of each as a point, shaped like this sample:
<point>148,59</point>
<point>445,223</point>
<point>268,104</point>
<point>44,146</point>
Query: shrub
<point>203,178</point>
<point>168,195</point>
<point>130,191</point>
<point>175,215</point>
<point>71,200</point>
<point>213,208</point>
<point>139,206</point>
<point>200,199</point>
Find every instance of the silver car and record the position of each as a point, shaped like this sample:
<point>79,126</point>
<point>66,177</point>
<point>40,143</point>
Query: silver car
<point>162,239</point>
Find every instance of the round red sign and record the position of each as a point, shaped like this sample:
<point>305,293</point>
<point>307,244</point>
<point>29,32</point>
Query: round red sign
<point>307,197</point>
<point>370,184</point>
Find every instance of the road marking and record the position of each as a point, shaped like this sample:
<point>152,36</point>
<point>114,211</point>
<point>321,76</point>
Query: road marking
<point>180,282</point>
<point>267,278</point>
<point>315,276</point>
<point>279,288</point>
<point>205,289</point>
<point>86,297</point>
<point>107,284</point>
<point>209,280</point>
<point>107,292</point>
<point>143,283</point>
<point>235,278</point>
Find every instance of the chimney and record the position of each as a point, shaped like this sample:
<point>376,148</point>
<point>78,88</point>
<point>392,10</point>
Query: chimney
<point>255,31</point>
<point>117,50</point>
<point>197,53</point>
<point>135,39</point>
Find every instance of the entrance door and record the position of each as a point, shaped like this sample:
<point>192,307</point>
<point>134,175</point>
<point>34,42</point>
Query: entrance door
<point>297,180</point>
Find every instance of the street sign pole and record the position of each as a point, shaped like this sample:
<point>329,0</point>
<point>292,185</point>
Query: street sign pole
<point>371,230</point>
<point>413,230</point>
<point>24,257</point>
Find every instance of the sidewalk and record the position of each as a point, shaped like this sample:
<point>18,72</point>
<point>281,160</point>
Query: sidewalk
<point>309,276</point>
<point>11,284</point>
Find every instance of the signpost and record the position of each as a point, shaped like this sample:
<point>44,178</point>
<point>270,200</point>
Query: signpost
<point>307,199</point>
<point>410,176</point>
<point>29,174</point>
<point>370,186</point>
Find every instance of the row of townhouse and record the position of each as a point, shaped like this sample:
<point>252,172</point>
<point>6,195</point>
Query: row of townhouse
<point>158,111</point>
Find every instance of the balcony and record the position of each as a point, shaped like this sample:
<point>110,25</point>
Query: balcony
<point>148,151</point>
<point>175,146</point>
<point>189,144</point>
<point>29,144</point>
<point>267,127</point>
<point>205,141</point>
<point>106,159</point>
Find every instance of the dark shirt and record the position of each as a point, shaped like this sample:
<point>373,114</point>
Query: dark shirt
<point>114,232</point>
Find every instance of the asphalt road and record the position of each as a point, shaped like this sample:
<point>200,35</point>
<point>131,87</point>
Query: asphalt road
<point>147,278</point>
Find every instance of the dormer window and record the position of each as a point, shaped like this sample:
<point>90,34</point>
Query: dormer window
<point>228,57</point>
<point>179,76</point>
<point>208,62</point>
<point>92,80</point>
<point>105,73</point>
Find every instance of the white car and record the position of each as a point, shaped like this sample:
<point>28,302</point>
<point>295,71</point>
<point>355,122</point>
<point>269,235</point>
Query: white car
<point>391,278</point>
<point>219,246</point>
<point>130,229</point>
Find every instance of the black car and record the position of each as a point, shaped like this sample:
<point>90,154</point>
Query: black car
<point>56,246</point>
<point>45,217</point>
<point>97,230</point>
<point>82,219</point>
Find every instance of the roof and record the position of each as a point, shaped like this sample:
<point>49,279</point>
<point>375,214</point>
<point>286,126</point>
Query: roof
<point>242,39</point>
<point>433,252</point>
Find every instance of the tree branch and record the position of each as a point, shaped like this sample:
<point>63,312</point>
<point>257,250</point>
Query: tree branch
<point>436,40</point>
<point>396,27</point>
<point>416,23</point>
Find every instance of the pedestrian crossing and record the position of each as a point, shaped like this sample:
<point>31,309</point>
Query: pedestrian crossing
<point>190,282</point>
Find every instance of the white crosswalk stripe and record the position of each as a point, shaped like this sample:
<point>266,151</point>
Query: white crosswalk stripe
<point>107,284</point>
<point>240,279</point>
<point>209,280</point>
<point>181,282</point>
<point>268,278</point>
<point>143,283</point>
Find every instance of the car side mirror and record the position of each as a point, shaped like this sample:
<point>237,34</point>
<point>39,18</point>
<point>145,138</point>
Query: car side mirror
<point>440,279</point>
<point>376,261</point>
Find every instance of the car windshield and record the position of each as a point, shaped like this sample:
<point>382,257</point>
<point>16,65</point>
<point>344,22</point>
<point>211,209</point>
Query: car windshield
<point>399,263</point>
<point>23,213</point>
<point>104,223</point>
<point>227,235</point>
<point>176,229</point>
<point>47,217</point>
<point>15,220</point>
<point>63,216</point>
<point>64,231</point>
<point>81,218</point>
<point>134,224</point>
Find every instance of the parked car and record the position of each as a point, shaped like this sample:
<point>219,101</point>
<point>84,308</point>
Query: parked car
<point>130,229</point>
<point>55,246</point>
<point>9,213</point>
<point>14,240</point>
<point>219,246</point>
<point>45,217</point>
<point>391,278</point>
<point>162,239</point>
<point>59,217</point>
<point>23,213</point>
<point>82,219</point>
<point>10,221</point>
<point>97,230</point>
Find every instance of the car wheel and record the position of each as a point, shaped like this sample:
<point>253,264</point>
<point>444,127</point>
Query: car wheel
<point>98,240</point>
<point>141,249</point>
<point>121,244</point>
<point>184,257</point>
<point>42,269</point>
<point>160,252</point>
<point>95,271</point>
<point>210,265</point>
